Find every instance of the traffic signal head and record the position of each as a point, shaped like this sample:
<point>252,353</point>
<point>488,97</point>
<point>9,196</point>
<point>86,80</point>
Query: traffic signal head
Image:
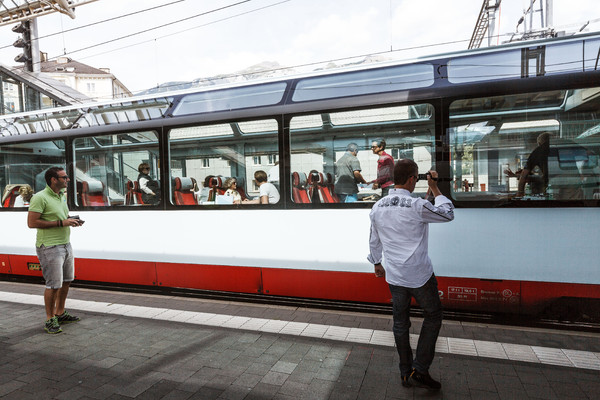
<point>24,42</point>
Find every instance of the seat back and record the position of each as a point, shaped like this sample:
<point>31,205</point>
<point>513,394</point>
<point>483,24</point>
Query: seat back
<point>184,192</point>
<point>299,192</point>
<point>137,193</point>
<point>331,185</point>
<point>11,192</point>
<point>325,190</point>
<point>93,195</point>
<point>129,196</point>
<point>314,189</point>
<point>216,188</point>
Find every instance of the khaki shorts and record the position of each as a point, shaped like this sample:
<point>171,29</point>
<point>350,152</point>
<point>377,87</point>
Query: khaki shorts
<point>58,264</point>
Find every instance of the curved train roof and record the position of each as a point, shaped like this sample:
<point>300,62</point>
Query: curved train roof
<point>566,55</point>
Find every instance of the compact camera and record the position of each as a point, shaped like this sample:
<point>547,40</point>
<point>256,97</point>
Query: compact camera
<point>423,177</point>
<point>77,218</point>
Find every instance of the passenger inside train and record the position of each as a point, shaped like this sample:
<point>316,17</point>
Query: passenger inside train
<point>150,187</point>
<point>535,171</point>
<point>231,186</point>
<point>268,193</point>
<point>486,136</point>
<point>348,176</point>
<point>203,193</point>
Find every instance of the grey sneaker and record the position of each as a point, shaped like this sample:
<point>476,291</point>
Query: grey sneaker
<point>52,326</point>
<point>66,318</point>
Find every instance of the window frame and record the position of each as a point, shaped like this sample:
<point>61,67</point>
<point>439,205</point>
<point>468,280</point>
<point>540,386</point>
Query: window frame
<point>513,89</point>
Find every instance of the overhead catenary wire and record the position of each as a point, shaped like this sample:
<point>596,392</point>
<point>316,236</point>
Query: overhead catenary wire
<point>63,31</point>
<point>32,76</point>
<point>233,75</point>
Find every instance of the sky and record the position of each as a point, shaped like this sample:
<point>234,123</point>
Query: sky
<point>222,37</point>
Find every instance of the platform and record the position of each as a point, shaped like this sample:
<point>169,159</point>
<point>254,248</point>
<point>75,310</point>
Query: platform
<point>144,346</point>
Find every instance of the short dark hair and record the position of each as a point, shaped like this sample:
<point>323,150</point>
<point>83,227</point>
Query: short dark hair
<point>380,143</point>
<point>52,172</point>
<point>260,176</point>
<point>403,170</point>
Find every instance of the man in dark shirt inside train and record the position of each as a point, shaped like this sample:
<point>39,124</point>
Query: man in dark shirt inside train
<point>538,158</point>
<point>49,214</point>
<point>400,231</point>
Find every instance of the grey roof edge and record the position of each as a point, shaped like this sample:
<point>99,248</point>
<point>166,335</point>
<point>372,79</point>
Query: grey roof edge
<point>52,88</point>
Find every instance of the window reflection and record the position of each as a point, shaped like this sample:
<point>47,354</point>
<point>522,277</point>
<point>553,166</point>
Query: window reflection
<point>117,170</point>
<point>499,148</point>
<point>216,164</point>
<point>333,160</point>
<point>22,170</point>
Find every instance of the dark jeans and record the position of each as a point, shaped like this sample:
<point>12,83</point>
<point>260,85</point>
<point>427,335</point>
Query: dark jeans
<point>428,298</point>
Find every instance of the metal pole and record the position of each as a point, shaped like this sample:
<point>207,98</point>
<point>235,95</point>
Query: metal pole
<point>491,10</point>
<point>530,15</point>
<point>35,46</point>
<point>549,13</point>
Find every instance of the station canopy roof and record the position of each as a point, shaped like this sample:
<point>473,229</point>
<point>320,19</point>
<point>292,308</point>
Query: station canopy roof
<point>12,11</point>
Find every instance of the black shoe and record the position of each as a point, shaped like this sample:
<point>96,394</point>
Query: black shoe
<point>424,380</point>
<point>52,326</point>
<point>405,381</point>
<point>66,318</point>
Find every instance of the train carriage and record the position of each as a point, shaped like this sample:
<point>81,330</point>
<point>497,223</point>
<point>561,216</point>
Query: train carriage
<point>470,115</point>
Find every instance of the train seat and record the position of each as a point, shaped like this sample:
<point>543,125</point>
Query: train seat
<point>325,190</point>
<point>216,188</point>
<point>184,191</point>
<point>320,193</point>
<point>299,192</point>
<point>331,186</point>
<point>11,192</point>
<point>129,196</point>
<point>312,184</point>
<point>93,194</point>
<point>137,193</point>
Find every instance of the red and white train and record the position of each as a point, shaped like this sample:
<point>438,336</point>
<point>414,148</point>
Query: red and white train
<point>468,115</point>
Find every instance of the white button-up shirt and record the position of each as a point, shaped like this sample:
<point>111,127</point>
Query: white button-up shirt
<point>400,231</point>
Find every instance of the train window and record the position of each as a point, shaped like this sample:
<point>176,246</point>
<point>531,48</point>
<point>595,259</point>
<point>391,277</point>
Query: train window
<point>216,164</point>
<point>534,146</point>
<point>564,58</point>
<point>485,67</point>
<point>22,169</point>
<point>110,170</point>
<point>364,82</point>
<point>231,99</point>
<point>318,151</point>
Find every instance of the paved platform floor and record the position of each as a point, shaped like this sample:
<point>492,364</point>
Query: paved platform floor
<point>158,347</point>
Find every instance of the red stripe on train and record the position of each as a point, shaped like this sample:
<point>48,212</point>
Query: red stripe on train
<point>456,293</point>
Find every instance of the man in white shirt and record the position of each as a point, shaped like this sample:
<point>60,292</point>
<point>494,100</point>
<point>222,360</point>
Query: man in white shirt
<point>268,193</point>
<point>399,231</point>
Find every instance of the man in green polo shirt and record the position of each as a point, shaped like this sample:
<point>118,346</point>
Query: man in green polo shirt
<point>49,214</point>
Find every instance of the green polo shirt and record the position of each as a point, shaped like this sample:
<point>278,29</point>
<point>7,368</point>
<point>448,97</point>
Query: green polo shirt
<point>52,207</point>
